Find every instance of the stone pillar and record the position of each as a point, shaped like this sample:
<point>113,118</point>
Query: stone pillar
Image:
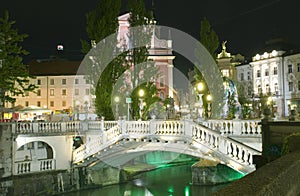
<point>188,127</point>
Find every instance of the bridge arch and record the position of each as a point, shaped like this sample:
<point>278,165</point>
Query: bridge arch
<point>61,146</point>
<point>35,150</point>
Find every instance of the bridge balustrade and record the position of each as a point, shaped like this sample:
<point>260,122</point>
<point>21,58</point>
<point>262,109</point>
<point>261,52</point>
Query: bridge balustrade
<point>137,127</point>
<point>95,145</point>
<point>233,149</point>
<point>34,166</point>
<point>173,128</point>
<point>235,127</point>
<point>46,127</point>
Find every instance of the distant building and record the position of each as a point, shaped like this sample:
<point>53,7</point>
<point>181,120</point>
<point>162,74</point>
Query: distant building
<point>59,88</point>
<point>227,62</point>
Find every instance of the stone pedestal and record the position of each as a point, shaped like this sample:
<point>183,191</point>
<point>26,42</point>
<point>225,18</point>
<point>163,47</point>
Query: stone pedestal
<point>208,172</point>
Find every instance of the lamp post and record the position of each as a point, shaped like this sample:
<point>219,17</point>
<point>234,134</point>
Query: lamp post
<point>209,99</point>
<point>141,104</point>
<point>200,88</point>
<point>117,100</point>
<point>167,111</point>
<point>77,103</point>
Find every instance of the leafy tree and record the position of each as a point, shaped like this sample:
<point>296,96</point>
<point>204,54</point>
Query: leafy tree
<point>101,23</point>
<point>209,39</point>
<point>14,75</point>
<point>137,55</point>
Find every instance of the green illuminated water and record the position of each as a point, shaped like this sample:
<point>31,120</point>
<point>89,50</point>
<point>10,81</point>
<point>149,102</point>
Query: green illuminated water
<point>175,180</point>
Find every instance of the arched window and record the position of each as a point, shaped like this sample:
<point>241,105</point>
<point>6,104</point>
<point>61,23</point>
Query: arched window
<point>268,90</point>
<point>258,73</point>
<point>162,95</point>
<point>259,89</point>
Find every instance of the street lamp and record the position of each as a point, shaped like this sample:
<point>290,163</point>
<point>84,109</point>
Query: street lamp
<point>141,105</point>
<point>77,103</point>
<point>200,88</point>
<point>117,100</point>
<point>209,99</point>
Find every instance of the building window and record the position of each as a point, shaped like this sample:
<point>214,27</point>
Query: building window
<point>41,145</point>
<point>242,76</point>
<point>162,95</point>
<point>63,81</point>
<point>51,81</point>
<point>76,81</point>
<point>290,68</point>
<point>291,86</point>
<point>161,82</point>
<point>248,76</point>
<point>249,91</point>
<point>276,88</point>
<point>26,93</point>
<point>225,72</point>
<point>298,85</point>
<point>51,103</point>
<point>87,81</point>
<point>259,89</point>
<point>266,72</point>
<point>258,73</point>
<point>64,103</point>
<point>51,92</point>
<point>268,90</point>
<point>38,82</point>
<point>26,103</point>
<point>298,67</point>
<point>30,145</point>
<point>76,91</point>
<point>38,92</point>
<point>38,104</point>
<point>275,71</point>
<point>63,92</point>
<point>87,91</point>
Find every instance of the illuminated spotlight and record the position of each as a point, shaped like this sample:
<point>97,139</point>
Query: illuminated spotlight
<point>257,57</point>
<point>274,53</point>
<point>60,47</point>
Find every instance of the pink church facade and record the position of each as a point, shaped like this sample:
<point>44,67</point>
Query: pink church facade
<point>160,52</point>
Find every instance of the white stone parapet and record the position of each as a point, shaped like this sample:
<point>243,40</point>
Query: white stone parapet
<point>34,166</point>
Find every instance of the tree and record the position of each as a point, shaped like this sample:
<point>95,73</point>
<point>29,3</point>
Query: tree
<point>139,16</point>
<point>14,75</point>
<point>101,23</point>
<point>209,39</point>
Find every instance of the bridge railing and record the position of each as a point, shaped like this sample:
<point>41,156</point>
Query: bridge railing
<point>96,144</point>
<point>232,149</point>
<point>235,127</point>
<point>46,127</point>
<point>34,166</point>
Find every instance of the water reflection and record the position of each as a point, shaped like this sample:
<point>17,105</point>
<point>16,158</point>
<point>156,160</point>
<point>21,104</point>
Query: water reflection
<point>173,181</point>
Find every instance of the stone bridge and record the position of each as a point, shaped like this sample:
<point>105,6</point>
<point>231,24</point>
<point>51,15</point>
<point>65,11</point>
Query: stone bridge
<point>209,140</point>
<point>43,146</point>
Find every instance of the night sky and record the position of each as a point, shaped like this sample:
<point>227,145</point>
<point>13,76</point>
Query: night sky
<point>246,25</point>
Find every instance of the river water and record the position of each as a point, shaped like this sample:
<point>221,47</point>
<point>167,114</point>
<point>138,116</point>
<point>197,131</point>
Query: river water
<point>170,181</point>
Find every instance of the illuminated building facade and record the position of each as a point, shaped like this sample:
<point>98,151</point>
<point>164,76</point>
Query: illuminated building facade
<point>160,52</point>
